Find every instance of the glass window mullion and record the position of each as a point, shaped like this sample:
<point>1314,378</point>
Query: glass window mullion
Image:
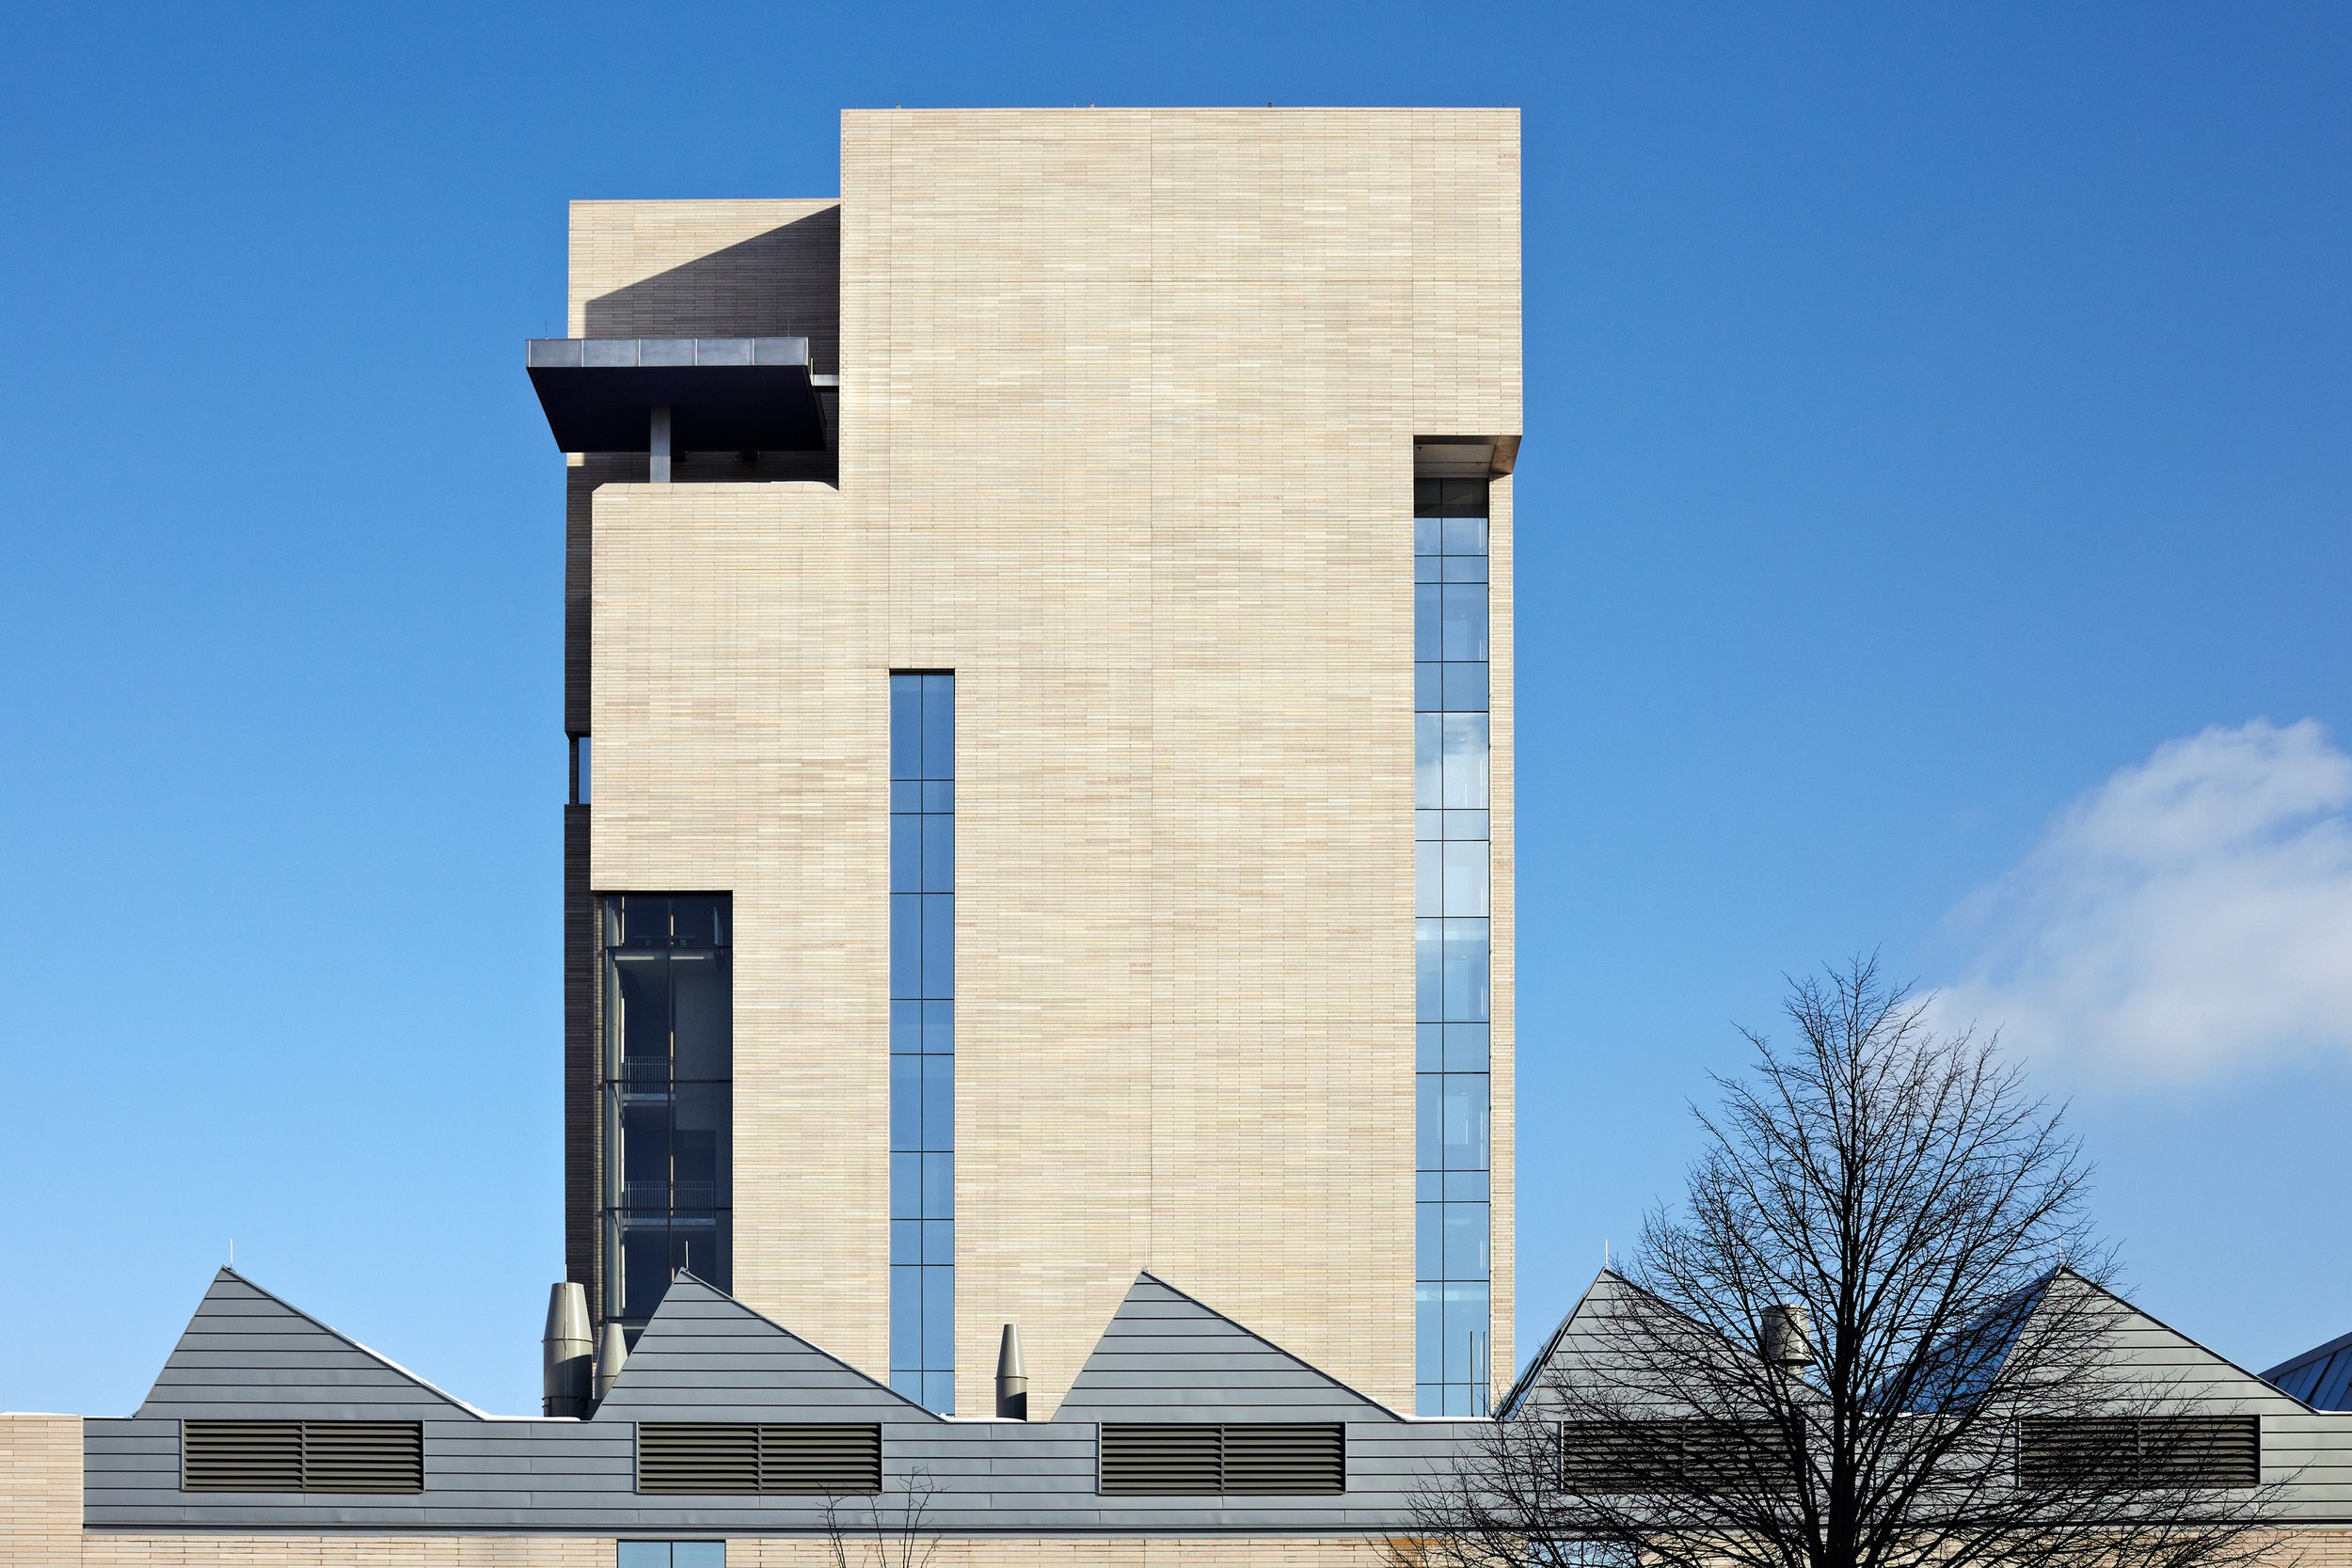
<point>1452,911</point>
<point>922,1037</point>
<point>662,1216</point>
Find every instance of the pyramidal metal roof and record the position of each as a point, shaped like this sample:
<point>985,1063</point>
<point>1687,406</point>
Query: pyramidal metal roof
<point>2321,1377</point>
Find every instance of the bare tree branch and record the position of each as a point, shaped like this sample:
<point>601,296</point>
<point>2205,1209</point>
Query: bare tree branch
<point>1899,1206</point>
<point>889,1532</point>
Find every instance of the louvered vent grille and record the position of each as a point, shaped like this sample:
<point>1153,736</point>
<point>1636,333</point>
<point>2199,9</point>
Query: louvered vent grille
<point>362,1456</point>
<point>301,1456</point>
<point>697,1456</point>
<point>1690,1457</point>
<point>2140,1451</point>
<point>1301,1459</point>
<point>241,1456</point>
<point>788,1458</point>
<point>820,1460</point>
<point>1141,1459</point>
<point>1264,1458</point>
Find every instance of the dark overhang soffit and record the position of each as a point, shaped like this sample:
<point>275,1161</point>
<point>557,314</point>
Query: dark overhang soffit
<point>723,394</point>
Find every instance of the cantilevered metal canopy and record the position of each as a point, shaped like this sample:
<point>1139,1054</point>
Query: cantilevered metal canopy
<point>722,394</point>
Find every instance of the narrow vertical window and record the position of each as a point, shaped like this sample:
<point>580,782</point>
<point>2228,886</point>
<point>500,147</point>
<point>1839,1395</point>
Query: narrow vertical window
<point>923,1037</point>
<point>668,1092</point>
<point>1453,977</point>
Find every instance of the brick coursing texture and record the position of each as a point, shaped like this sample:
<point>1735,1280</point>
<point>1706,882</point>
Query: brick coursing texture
<point>709,269</point>
<point>1128,406</point>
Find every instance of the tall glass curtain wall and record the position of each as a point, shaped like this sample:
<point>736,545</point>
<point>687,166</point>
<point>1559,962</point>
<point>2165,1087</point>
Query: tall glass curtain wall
<point>1451,983</point>
<point>669,1068</point>
<point>923,1037</point>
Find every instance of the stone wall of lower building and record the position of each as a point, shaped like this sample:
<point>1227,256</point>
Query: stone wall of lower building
<point>40,1490</point>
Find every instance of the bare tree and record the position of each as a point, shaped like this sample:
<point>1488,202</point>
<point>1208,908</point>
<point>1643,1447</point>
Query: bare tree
<point>1876,1334</point>
<point>886,1531</point>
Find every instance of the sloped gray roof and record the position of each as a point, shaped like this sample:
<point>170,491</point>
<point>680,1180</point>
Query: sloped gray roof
<point>708,1357</point>
<point>1604,1283</point>
<point>245,1354</point>
<point>1580,1337</point>
<point>1163,1357</point>
<point>1166,1355</point>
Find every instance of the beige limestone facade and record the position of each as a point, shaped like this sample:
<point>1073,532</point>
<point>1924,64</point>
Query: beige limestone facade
<point>1128,402</point>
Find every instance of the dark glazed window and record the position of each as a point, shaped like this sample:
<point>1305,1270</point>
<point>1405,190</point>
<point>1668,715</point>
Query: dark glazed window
<point>1453,971</point>
<point>923,1037</point>
<point>669,1066</point>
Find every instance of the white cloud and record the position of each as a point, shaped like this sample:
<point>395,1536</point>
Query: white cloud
<point>2191,915</point>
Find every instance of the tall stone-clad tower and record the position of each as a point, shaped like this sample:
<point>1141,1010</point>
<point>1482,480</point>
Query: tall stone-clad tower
<point>1043,625</point>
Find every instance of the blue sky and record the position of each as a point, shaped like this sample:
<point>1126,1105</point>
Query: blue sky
<point>1934,491</point>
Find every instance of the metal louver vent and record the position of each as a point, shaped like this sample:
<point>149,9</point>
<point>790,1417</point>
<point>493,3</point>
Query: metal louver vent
<point>241,1456</point>
<point>362,1456</point>
<point>301,1456</point>
<point>697,1456</point>
<point>1142,1460</point>
<point>1659,1458</point>
<point>1265,1459</point>
<point>2173,1451</point>
<point>741,1457</point>
<point>820,1460</point>
<point>1288,1459</point>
